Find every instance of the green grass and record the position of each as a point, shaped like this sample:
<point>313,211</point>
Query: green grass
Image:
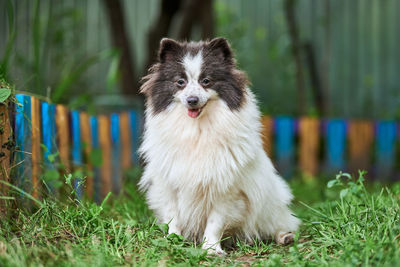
<point>343,225</point>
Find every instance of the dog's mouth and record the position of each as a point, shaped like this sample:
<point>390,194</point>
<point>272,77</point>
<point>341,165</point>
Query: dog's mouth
<point>195,112</point>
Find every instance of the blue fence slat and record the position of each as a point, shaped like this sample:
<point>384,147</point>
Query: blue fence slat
<point>22,139</point>
<point>335,144</point>
<point>135,128</point>
<point>284,145</point>
<point>94,131</point>
<point>48,112</point>
<point>76,148</point>
<point>116,153</point>
<point>385,148</point>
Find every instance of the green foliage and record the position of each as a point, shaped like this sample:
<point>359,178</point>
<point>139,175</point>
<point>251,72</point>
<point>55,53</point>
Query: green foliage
<point>55,66</point>
<point>4,94</point>
<point>357,227</point>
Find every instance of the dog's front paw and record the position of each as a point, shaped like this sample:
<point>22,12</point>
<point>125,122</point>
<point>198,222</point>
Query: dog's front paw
<point>214,249</point>
<point>284,238</point>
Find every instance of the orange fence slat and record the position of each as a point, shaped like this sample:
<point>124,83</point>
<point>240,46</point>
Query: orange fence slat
<point>267,133</point>
<point>62,124</point>
<point>36,141</point>
<point>105,146</point>
<point>5,134</point>
<point>87,148</point>
<point>125,140</point>
<point>309,145</point>
<point>360,136</point>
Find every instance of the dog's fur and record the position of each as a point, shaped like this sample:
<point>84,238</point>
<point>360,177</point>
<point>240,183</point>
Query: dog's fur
<point>206,172</point>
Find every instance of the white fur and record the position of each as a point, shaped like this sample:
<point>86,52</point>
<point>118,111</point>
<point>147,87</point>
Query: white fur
<point>192,65</point>
<point>210,176</point>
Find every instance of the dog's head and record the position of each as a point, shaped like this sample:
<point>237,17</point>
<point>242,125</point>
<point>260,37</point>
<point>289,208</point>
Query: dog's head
<point>193,74</point>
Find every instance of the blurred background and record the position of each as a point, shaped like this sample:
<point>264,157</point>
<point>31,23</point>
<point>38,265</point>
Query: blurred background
<point>331,58</point>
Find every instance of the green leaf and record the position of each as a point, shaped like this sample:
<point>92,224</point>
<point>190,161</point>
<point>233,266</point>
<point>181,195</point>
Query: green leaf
<point>4,94</point>
<point>68,179</point>
<point>51,175</point>
<point>52,157</point>
<point>344,192</point>
<point>331,183</point>
<point>163,227</point>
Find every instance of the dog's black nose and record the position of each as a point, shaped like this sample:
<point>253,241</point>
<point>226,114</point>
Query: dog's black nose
<point>192,100</point>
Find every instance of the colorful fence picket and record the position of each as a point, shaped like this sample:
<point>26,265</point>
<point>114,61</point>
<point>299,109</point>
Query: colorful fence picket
<point>51,137</point>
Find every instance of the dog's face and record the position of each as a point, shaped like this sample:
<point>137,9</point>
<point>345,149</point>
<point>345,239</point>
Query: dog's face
<point>192,75</point>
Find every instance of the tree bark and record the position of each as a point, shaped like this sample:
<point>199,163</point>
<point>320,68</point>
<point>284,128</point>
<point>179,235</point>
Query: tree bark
<point>326,61</point>
<point>161,28</point>
<point>190,16</point>
<point>120,40</point>
<point>296,51</point>
<point>207,20</point>
<point>314,78</point>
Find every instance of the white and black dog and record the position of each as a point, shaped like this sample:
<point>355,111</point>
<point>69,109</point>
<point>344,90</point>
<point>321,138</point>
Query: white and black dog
<point>206,172</point>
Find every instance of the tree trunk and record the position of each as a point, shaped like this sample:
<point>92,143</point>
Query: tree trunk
<point>314,79</point>
<point>160,29</point>
<point>296,51</point>
<point>190,16</point>
<point>326,61</point>
<point>207,19</point>
<point>120,40</point>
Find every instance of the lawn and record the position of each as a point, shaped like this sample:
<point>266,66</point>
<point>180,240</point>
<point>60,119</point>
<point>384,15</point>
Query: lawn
<point>343,224</point>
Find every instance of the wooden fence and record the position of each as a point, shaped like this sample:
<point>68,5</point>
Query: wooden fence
<point>50,139</point>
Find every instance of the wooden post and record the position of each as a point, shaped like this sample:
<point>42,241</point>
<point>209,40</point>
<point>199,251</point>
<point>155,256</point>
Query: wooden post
<point>105,145</point>
<point>126,143</point>
<point>309,142</point>
<point>361,136</point>
<point>62,122</point>
<point>36,141</point>
<point>87,148</point>
<point>5,147</point>
<point>267,133</point>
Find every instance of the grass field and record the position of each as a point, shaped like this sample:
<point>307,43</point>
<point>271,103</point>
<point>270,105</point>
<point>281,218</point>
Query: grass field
<point>344,224</point>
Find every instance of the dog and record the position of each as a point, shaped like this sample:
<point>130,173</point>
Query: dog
<point>206,173</point>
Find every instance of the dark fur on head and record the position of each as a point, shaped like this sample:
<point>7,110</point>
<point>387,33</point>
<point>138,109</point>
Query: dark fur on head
<point>218,64</point>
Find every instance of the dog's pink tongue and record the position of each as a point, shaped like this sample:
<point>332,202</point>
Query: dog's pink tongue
<point>193,112</point>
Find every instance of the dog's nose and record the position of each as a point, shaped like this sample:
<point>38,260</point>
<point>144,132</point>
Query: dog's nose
<point>192,100</point>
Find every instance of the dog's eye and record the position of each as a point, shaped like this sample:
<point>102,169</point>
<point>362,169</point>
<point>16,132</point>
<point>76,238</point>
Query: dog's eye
<point>205,82</point>
<point>181,82</point>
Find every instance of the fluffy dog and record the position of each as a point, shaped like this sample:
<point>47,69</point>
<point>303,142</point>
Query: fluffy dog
<point>206,172</point>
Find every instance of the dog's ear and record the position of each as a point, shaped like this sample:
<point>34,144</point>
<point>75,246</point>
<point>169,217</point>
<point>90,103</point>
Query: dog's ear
<point>221,46</point>
<point>168,48</point>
